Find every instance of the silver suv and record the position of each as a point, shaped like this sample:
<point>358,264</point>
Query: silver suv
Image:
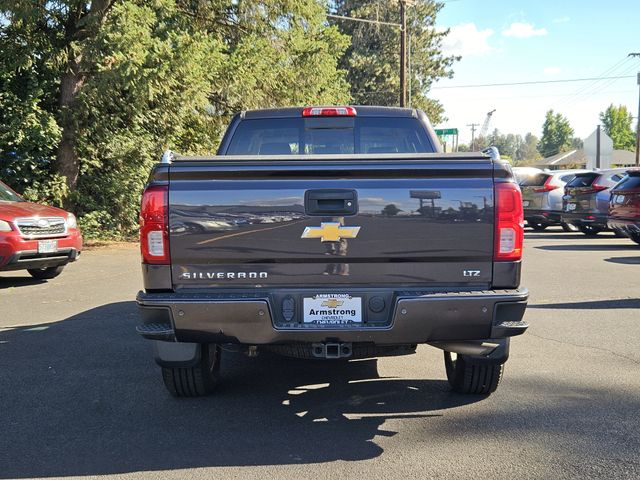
<point>542,198</point>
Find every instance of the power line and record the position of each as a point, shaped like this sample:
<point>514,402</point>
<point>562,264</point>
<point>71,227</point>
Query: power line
<point>502,97</point>
<point>584,88</point>
<point>534,82</point>
<point>364,20</point>
<point>594,89</point>
<point>403,43</point>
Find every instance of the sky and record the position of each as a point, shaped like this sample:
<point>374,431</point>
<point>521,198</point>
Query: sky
<point>520,41</point>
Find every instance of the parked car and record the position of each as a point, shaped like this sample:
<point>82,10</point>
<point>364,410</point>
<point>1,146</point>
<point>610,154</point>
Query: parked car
<point>624,206</point>
<point>542,198</point>
<point>36,238</point>
<point>585,203</point>
<point>521,173</point>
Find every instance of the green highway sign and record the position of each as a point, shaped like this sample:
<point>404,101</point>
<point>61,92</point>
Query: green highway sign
<point>441,132</point>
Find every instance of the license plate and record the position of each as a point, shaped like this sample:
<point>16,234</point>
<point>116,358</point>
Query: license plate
<point>47,246</point>
<point>571,206</point>
<point>332,309</point>
<point>525,203</point>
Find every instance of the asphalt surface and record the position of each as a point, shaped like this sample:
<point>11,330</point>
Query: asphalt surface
<point>80,395</point>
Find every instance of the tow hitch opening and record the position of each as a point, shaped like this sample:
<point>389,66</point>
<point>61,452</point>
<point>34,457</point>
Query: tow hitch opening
<point>332,350</point>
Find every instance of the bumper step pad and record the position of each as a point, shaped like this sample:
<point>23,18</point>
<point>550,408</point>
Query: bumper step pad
<point>509,329</point>
<point>156,331</point>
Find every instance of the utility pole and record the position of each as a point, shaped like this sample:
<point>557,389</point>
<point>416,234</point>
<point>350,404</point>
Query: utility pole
<point>473,133</point>
<point>403,43</point>
<point>409,69</point>
<point>638,127</point>
<point>598,147</point>
<point>403,54</point>
<point>637,55</point>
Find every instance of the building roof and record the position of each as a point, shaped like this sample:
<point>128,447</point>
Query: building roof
<point>572,157</point>
<point>622,158</point>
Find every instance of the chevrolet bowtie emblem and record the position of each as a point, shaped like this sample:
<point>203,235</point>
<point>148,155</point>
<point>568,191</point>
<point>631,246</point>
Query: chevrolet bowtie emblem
<point>330,232</point>
<point>332,303</point>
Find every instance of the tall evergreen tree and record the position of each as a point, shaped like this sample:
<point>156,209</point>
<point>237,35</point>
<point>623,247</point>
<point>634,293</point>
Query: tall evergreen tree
<point>557,135</point>
<point>92,92</point>
<point>372,61</point>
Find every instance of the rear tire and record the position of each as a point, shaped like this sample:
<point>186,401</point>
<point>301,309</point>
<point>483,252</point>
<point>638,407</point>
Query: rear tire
<point>589,230</point>
<point>200,379</point>
<point>469,377</point>
<point>538,227</point>
<point>45,273</point>
<point>567,227</point>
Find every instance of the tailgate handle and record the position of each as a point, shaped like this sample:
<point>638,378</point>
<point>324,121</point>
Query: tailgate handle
<point>331,202</point>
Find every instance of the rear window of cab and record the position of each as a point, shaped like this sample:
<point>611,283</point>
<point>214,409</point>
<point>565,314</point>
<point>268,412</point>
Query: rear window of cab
<point>335,135</point>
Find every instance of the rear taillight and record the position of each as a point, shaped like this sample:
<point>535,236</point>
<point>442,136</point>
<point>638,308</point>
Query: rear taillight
<point>593,188</point>
<point>547,187</point>
<point>154,235</point>
<point>596,188</point>
<point>329,112</point>
<point>509,224</point>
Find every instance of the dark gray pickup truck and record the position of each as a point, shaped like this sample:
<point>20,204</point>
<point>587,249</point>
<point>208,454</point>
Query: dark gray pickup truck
<point>331,233</point>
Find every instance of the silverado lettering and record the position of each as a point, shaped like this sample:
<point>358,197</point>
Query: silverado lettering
<point>221,275</point>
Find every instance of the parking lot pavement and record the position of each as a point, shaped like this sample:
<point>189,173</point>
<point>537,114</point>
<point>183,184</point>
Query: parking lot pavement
<point>81,396</point>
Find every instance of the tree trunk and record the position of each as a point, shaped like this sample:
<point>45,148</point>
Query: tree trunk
<point>67,158</point>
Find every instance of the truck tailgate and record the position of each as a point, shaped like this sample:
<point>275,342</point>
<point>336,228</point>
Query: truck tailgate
<point>249,223</point>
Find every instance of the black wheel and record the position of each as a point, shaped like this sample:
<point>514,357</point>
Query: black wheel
<point>467,376</point>
<point>45,273</point>
<point>198,380</point>
<point>567,227</point>
<point>589,230</point>
<point>635,237</point>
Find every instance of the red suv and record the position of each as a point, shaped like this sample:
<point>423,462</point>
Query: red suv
<point>36,238</point>
<point>624,207</point>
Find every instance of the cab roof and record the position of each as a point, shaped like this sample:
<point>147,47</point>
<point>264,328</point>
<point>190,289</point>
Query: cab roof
<point>362,111</point>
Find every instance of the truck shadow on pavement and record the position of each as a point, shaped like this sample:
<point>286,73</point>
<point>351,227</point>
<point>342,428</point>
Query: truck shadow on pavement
<point>83,397</point>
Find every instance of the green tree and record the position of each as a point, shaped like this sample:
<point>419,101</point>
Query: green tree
<point>577,143</point>
<point>617,124</point>
<point>557,135</point>
<point>528,150</point>
<point>53,36</point>
<point>391,210</point>
<point>372,61</point>
<point>508,145</point>
<point>92,92</point>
